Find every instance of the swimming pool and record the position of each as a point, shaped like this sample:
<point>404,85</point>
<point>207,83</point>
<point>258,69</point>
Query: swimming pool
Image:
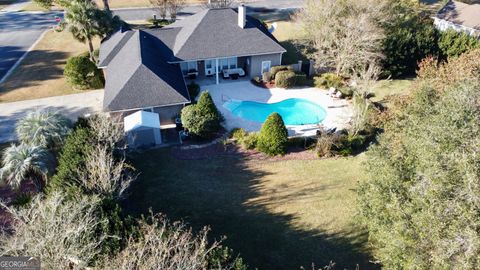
<point>294,111</point>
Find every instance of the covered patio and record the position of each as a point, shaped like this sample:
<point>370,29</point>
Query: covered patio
<point>215,70</point>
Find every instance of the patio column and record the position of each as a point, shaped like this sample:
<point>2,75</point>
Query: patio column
<point>216,70</point>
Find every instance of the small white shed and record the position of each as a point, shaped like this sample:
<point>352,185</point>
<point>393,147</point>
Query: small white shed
<point>142,129</point>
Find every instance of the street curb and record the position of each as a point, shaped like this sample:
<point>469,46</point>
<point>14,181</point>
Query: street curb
<point>10,71</point>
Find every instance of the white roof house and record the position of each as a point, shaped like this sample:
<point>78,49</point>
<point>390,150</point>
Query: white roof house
<point>142,128</point>
<point>460,17</point>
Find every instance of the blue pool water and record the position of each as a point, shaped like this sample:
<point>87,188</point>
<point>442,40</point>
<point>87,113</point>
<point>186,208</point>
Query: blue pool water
<point>294,111</point>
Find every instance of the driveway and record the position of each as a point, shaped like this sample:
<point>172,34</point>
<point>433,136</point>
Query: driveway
<point>71,106</point>
<point>264,6</point>
<point>339,111</point>
<point>18,32</point>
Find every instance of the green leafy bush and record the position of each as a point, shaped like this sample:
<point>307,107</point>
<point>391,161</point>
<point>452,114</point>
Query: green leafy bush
<point>300,78</point>
<point>250,141</point>
<point>407,42</point>
<point>22,200</point>
<point>223,256</point>
<point>274,70</point>
<point>202,119</point>
<point>273,137</point>
<point>82,73</point>
<point>327,80</point>
<point>158,23</point>
<point>346,91</point>
<point>193,90</point>
<point>453,43</point>
<point>72,161</point>
<point>266,77</point>
<point>285,79</point>
<point>238,134</point>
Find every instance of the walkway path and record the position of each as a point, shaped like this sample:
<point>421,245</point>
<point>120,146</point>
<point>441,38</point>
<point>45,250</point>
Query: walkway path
<point>71,106</point>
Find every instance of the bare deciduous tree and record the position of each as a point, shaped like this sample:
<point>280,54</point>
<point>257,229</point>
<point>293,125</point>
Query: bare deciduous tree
<point>174,6</point>
<point>104,174</point>
<point>346,34</point>
<point>161,6</point>
<point>59,231</point>
<point>164,246</point>
<point>108,130</point>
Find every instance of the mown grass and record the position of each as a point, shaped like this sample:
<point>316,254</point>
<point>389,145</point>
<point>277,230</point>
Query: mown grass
<point>385,88</point>
<point>291,37</point>
<point>276,214</point>
<point>40,74</point>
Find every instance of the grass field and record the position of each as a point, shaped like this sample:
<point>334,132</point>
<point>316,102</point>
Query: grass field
<point>385,88</point>
<point>291,36</point>
<point>276,214</point>
<point>40,74</point>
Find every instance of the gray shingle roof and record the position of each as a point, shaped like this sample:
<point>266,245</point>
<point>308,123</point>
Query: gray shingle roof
<point>139,77</point>
<point>112,46</point>
<point>461,13</point>
<point>215,33</point>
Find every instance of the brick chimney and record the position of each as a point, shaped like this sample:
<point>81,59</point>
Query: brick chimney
<point>242,16</point>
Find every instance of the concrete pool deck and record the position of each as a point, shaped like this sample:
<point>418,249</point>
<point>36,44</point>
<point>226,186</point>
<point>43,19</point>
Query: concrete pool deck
<point>339,111</point>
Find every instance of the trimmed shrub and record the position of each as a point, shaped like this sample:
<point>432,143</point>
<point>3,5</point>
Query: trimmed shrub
<point>266,77</point>
<point>327,80</point>
<point>83,74</point>
<point>193,90</point>
<point>202,119</point>
<point>273,137</point>
<point>250,141</point>
<point>300,78</point>
<point>285,79</point>
<point>274,70</point>
<point>346,91</point>
<point>238,134</point>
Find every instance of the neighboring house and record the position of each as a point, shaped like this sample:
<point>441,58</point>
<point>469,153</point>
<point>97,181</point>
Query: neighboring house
<point>146,69</point>
<point>459,16</point>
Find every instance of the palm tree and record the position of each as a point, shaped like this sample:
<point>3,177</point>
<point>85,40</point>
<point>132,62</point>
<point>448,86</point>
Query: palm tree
<point>43,128</point>
<point>24,161</point>
<point>86,21</point>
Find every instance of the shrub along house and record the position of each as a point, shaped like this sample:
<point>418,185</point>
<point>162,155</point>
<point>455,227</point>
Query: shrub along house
<point>146,69</point>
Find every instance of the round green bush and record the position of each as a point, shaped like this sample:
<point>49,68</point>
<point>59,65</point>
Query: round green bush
<point>327,80</point>
<point>82,73</point>
<point>273,137</point>
<point>202,119</point>
<point>285,79</point>
<point>274,70</point>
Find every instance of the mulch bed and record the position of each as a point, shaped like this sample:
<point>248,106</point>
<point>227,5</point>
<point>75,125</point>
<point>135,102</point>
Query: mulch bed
<point>262,84</point>
<point>220,149</point>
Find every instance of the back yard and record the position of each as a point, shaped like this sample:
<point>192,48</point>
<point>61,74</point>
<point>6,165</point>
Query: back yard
<point>278,214</point>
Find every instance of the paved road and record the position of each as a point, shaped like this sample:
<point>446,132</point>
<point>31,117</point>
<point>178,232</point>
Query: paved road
<point>18,32</point>
<point>72,106</point>
<point>137,14</point>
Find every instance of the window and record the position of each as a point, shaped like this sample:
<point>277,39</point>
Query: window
<point>187,66</point>
<point>266,66</point>
<point>232,62</point>
<point>224,63</point>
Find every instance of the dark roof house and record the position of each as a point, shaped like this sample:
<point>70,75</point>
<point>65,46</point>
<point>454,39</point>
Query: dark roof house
<point>460,17</point>
<point>147,68</point>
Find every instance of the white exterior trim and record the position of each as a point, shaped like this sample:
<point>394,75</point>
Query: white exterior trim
<point>230,56</point>
<point>159,106</point>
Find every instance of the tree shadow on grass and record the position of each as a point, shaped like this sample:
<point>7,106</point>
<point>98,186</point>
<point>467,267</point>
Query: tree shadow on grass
<point>36,67</point>
<point>296,50</point>
<point>218,192</point>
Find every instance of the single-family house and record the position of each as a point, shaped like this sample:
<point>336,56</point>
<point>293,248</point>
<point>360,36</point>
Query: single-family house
<point>460,17</point>
<point>147,69</point>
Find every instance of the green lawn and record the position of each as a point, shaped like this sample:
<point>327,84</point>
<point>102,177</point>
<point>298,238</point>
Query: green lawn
<point>291,37</point>
<point>277,214</point>
<point>385,88</point>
